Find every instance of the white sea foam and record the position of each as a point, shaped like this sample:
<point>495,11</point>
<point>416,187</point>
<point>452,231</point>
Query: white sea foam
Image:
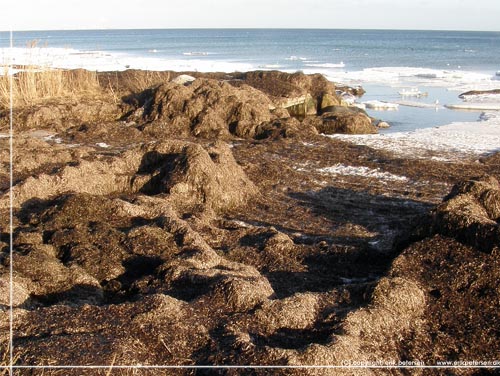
<point>296,58</point>
<point>71,58</point>
<point>196,53</point>
<point>362,171</point>
<point>327,65</point>
<point>270,66</point>
<point>448,142</point>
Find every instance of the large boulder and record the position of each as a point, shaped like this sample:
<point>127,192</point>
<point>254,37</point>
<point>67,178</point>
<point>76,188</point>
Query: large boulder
<point>299,93</point>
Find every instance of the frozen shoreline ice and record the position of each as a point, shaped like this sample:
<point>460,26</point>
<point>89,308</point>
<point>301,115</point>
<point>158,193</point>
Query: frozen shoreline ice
<point>447,143</point>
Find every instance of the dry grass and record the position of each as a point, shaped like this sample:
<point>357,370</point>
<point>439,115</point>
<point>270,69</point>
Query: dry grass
<point>133,81</point>
<point>142,80</point>
<point>36,84</point>
<point>5,360</point>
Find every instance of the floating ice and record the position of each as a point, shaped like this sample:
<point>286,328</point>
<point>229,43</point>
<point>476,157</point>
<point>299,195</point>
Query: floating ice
<point>395,76</point>
<point>474,106</point>
<point>418,104</point>
<point>380,105</point>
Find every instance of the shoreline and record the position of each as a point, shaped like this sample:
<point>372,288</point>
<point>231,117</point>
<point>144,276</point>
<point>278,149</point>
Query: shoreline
<point>464,139</point>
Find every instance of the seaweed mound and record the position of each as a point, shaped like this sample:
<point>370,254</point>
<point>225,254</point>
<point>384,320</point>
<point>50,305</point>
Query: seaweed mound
<point>193,176</point>
<point>205,108</point>
<point>189,175</point>
<point>471,213</point>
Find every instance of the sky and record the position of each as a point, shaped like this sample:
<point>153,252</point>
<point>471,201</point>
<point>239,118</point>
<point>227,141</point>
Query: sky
<point>164,14</point>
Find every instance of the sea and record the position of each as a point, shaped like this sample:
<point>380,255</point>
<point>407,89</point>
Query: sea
<point>439,65</point>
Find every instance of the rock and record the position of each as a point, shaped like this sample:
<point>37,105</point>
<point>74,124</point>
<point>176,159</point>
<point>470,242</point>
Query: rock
<point>299,107</point>
<point>383,125</point>
<point>328,101</point>
<point>301,94</point>
<point>346,121</point>
<point>183,79</point>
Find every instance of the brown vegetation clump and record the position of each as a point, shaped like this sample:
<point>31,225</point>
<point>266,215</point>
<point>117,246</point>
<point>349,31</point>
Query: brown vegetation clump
<point>279,84</point>
<point>192,177</point>
<point>395,312</point>
<point>206,108</point>
<point>471,212</point>
<point>461,284</point>
<point>133,81</point>
<point>349,122</point>
<point>158,250</point>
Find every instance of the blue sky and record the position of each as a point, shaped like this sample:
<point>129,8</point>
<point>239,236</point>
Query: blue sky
<point>355,14</point>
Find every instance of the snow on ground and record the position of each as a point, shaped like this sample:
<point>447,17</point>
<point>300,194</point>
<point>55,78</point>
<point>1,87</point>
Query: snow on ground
<point>448,142</point>
<point>361,171</point>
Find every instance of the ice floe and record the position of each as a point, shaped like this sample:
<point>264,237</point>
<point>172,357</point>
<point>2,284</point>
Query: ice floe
<point>381,105</point>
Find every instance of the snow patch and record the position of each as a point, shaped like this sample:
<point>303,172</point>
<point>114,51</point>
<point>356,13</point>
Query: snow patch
<point>447,143</point>
<point>341,169</point>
